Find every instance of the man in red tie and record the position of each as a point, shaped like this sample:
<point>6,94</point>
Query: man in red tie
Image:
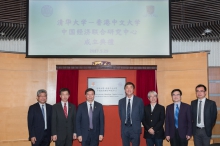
<point>63,120</point>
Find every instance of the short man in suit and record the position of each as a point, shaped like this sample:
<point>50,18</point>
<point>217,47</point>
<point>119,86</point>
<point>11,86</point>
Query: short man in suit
<point>204,114</point>
<point>90,120</point>
<point>178,123</point>
<point>64,120</point>
<point>39,120</point>
<point>131,112</point>
<point>154,116</point>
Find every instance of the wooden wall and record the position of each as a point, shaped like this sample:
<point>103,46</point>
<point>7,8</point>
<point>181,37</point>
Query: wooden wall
<point>21,77</point>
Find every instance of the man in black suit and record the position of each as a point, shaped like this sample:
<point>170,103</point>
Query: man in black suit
<point>178,121</point>
<point>64,120</point>
<point>131,112</point>
<point>154,115</point>
<point>204,114</point>
<point>39,120</point>
<point>90,120</point>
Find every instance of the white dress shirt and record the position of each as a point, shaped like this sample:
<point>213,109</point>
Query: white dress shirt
<point>67,105</point>
<point>131,102</point>
<point>202,112</point>
<point>45,114</point>
<point>152,107</point>
<point>88,105</point>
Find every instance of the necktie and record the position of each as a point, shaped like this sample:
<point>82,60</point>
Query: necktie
<point>65,110</point>
<point>90,117</point>
<point>128,113</point>
<point>199,116</point>
<point>176,116</point>
<point>42,109</point>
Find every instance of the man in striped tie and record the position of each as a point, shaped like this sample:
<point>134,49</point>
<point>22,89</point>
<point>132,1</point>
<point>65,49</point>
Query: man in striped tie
<point>178,123</point>
<point>64,120</point>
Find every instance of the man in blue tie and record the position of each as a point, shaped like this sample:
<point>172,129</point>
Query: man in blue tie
<point>39,120</point>
<point>178,123</point>
<point>131,112</point>
<point>90,120</point>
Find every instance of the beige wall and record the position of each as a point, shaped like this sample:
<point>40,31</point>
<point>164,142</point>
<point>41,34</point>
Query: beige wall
<point>21,77</point>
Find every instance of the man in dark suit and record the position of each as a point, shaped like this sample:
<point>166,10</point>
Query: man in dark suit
<point>64,120</point>
<point>154,115</point>
<point>131,112</point>
<point>39,120</point>
<point>204,114</point>
<point>90,120</point>
<point>178,123</point>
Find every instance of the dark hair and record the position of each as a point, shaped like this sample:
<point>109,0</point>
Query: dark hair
<point>129,83</point>
<point>90,89</point>
<point>174,90</point>
<point>201,85</point>
<point>64,89</point>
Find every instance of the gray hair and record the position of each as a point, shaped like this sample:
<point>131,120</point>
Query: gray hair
<point>41,91</point>
<point>151,92</point>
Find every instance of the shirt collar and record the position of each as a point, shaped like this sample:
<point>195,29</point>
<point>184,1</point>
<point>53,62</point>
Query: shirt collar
<point>130,98</point>
<point>177,103</point>
<point>203,100</point>
<point>88,103</point>
<point>64,102</point>
<point>41,104</point>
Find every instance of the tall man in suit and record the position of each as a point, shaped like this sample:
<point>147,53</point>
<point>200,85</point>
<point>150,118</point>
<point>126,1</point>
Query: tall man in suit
<point>90,120</point>
<point>131,112</point>
<point>204,114</point>
<point>154,116</point>
<point>39,120</point>
<point>178,123</point>
<point>64,120</point>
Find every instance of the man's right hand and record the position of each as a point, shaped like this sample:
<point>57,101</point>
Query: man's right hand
<point>54,137</point>
<point>168,138</point>
<point>33,139</point>
<point>80,138</point>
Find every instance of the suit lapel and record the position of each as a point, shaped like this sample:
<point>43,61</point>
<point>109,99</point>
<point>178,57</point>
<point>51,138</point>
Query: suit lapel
<point>172,111</point>
<point>124,107</point>
<point>39,110</point>
<point>86,111</point>
<point>70,110</point>
<point>61,110</point>
<point>47,110</point>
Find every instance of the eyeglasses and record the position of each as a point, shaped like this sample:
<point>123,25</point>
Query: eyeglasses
<point>197,91</point>
<point>175,94</point>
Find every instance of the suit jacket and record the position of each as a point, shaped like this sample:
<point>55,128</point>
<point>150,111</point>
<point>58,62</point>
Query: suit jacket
<point>154,119</point>
<point>184,121</point>
<point>82,120</point>
<point>210,115</point>
<point>136,114</point>
<point>61,126</point>
<point>36,125</point>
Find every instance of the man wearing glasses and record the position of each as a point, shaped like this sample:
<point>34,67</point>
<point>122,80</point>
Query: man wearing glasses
<point>204,114</point>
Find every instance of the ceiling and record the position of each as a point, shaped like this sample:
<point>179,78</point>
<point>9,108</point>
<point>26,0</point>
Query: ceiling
<point>191,20</point>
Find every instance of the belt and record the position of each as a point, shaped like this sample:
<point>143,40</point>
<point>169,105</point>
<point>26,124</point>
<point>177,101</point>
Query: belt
<point>200,127</point>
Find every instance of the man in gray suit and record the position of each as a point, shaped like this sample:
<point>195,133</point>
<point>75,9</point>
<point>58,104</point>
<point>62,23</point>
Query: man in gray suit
<point>63,120</point>
<point>131,112</point>
<point>90,120</point>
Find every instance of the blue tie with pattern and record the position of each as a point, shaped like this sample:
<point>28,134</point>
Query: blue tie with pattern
<point>176,116</point>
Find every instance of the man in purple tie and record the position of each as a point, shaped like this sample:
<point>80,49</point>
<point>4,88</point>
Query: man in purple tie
<point>90,120</point>
<point>178,123</point>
